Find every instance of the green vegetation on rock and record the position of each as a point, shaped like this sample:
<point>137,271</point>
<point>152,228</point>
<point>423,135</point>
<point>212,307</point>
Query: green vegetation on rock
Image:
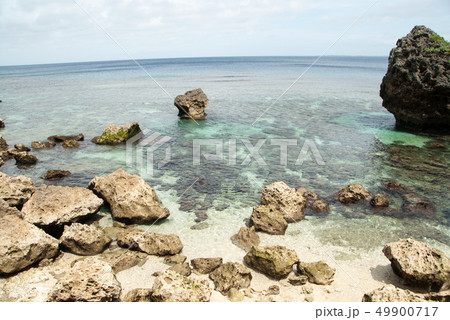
<point>444,45</point>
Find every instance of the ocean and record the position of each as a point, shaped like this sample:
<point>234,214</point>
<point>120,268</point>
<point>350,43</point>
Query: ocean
<point>333,112</point>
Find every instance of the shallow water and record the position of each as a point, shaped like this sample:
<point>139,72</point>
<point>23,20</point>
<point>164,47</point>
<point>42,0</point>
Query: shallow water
<point>336,105</point>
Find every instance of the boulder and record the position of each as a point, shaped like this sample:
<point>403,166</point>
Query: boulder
<point>379,200</point>
<point>320,206</point>
<point>90,279</point>
<point>25,158</point>
<point>59,139</point>
<point>418,206</point>
<point>138,295</point>
<point>114,135</point>
<point>22,244</point>
<point>6,209</point>
<point>297,280</point>
<point>173,287</point>
<point>231,275</point>
<point>246,238</point>
<point>84,240</point>
<point>122,259</point>
<point>416,87</point>
<point>274,261</point>
<point>55,174</point>
<point>418,264</point>
<point>206,265</point>
<point>149,242</point>
<point>182,268</point>
<point>22,147</point>
<point>70,144</point>
<point>130,197</point>
<point>353,193</point>
<point>269,219</point>
<point>192,104</point>
<point>15,190</point>
<point>317,272</point>
<point>176,259</point>
<point>42,144</point>
<point>57,206</point>
<point>285,199</point>
<point>390,293</point>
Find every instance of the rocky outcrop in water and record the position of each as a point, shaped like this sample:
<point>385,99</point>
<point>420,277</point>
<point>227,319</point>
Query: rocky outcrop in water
<point>15,190</point>
<point>268,219</point>
<point>84,240</point>
<point>60,139</point>
<point>353,193</point>
<point>2,123</point>
<point>231,275</point>
<point>42,144</point>
<point>70,144</point>
<point>275,261</point>
<point>206,265</point>
<point>22,147</point>
<point>390,293</point>
<point>25,158</point>
<point>3,144</point>
<point>284,199</point>
<point>130,197</point>
<point>416,86</point>
<point>114,135</point>
<point>22,244</point>
<point>55,174</point>
<point>418,264</point>
<point>246,238</point>
<point>149,242</point>
<point>379,200</point>
<point>192,104</point>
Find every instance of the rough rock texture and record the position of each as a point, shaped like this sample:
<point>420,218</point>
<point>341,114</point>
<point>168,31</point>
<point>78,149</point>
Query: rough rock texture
<point>2,123</point>
<point>206,265</point>
<point>317,272</point>
<point>231,275</point>
<point>182,268</point>
<point>149,242</point>
<point>22,147</point>
<point>122,259</point>
<point>25,158</point>
<point>42,144</point>
<point>90,279</point>
<point>55,174</point>
<point>114,135</point>
<point>246,238</point>
<point>353,193</point>
<point>138,295</point>
<point>313,201</point>
<point>379,200</point>
<point>130,197</point>
<point>192,104</point>
<point>57,206</point>
<point>3,144</point>
<point>418,264</point>
<point>269,219</point>
<point>390,293</point>
<point>320,206</point>
<point>85,240</point>
<point>22,244</point>
<point>416,86</point>
<point>176,259</point>
<point>5,209</point>
<point>285,199</point>
<point>275,261</point>
<point>15,190</point>
<point>173,287</point>
<point>70,144</point>
<point>59,138</point>
<point>297,280</point>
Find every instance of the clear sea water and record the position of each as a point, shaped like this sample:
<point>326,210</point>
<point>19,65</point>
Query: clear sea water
<point>336,104</point>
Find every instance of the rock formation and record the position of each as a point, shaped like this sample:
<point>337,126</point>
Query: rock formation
<point>416,86</point>
<point>85,240</point>
<point>390,293</point>
<point>206,265</point>
<point>149,242</point>
<point>42,144</point>
<point>246,238</point>
<point>15,190</point>
<point>59,138</point>
<point>55,174</point>
<point>192,104</point>
<point>353,193</point>
<point>2,123</point>
<point>113,134</point>
<point>231,275</point>
<point>317,272</point>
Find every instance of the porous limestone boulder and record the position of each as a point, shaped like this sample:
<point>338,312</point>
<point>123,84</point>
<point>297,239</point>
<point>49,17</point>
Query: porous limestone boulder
<point>192,104</point>
<point>149,242</point>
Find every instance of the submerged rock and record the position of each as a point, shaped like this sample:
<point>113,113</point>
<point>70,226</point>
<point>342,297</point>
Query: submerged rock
<point>418,264</point>
<point>90,279</point>
<point>379,200</point>
<point>57,206</point>
<point>55,174</point>
<point>130,197</point>
<point>317,272</point>
<point>246,238</point>
<point>192,104</point>
<point>275,261</point>
<point>42,144</point>
<point>320,206</point>
<point>22,244</point>
<point>269,219</point>
<point>390,293</point>
<point>113,134</point>
<point>173,287</point>
<point>70,144</point>
<point>15,190</point>
<point>149,242</point>
<point>85,240</point>
<point>285,199</point>
<point>206,265</point>
<point>416,86</point>
<point>59,138</point>
<point>25,158</point>
<point>231,275</point>
<point>353,193</point>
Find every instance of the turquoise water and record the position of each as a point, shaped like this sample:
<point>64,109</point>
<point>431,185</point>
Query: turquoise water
<point>336,105</point>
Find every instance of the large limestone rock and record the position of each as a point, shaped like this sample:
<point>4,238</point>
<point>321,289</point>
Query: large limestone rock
<point>149,242</point>
<point>416,87</point>
<point>192,104</point>
<point>285,199</point>
<point>15,190</point>
<point>390,293</point>
<point>130,197</point>
<point>22,244</point>
<point>268,219</point>
<point>85,240</point>
<point>317,272</point>
<point>206,265</point>
<point>231,275</point>
<point>114,135</point>
<point>353,193</point>
<point>418,264</point>
<point>57,206</point>
<point>90,279</point>
<point>171,286</point>
<point>275,261</point>
<point>246,238</point>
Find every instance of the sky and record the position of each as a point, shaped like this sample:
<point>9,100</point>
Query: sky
<point>45,31</point>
